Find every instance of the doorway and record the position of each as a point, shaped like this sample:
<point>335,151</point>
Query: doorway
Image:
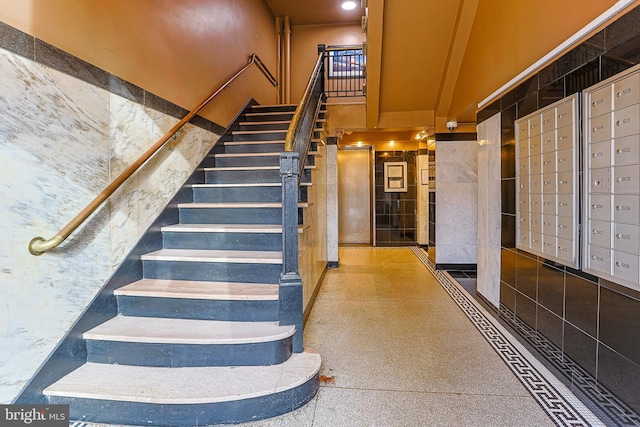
<point>354,196</point>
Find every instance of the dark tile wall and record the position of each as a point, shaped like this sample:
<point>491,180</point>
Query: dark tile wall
<point>594,322</point>
<point>396,212</point>
<point>432,205</point>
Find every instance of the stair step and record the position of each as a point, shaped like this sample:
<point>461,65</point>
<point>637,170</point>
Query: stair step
<point>188,289</point>
<point>237,205</point>
<point>203,255</point>
<point>205,300</point>
<point>244,184</point>
<point>152,341</point>
<point>227,228</point>
<point>186,331</point>
<point>121,394</point>
<point>234,212</point>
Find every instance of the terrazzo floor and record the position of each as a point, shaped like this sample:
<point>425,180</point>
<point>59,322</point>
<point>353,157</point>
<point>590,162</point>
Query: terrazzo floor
<point>398,350</point>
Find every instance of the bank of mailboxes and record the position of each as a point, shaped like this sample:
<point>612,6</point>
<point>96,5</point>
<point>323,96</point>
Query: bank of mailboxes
<point>547,182</point>
<point>548,196</point>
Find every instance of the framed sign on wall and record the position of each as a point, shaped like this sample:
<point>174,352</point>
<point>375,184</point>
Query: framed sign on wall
<point>395,177</point>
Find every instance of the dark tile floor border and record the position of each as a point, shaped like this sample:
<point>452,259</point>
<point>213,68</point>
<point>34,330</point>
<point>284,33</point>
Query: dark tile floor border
<point>562,406</point>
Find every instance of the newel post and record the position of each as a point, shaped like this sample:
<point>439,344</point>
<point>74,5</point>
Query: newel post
<point>290,295</point>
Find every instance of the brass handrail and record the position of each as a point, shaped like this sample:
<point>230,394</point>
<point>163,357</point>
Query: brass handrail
<point>39,245</point>
<point>288,141</point>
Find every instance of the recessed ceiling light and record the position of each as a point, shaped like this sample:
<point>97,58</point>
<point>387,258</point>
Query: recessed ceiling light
<point>348,5</point>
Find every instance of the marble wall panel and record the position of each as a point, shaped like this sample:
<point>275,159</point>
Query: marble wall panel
<point>62,141</point>
<point>456,202</point>
<point>332,203</point>
<point>489,210</point>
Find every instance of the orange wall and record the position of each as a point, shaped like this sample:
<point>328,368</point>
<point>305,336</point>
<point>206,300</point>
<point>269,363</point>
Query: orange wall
<point>304,49</point>
<point>509,36</point>
<point>179,50</point>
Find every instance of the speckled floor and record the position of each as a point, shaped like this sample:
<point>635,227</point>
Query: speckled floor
<point>397,350</point>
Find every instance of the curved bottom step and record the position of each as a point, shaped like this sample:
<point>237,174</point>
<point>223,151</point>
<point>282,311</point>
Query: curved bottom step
<point>120,394</point>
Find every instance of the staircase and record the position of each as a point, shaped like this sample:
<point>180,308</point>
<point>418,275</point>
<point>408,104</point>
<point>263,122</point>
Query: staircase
<point>197,340</point>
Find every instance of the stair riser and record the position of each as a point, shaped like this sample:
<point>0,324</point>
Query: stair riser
<point>248,176</point>
<point>224,162</point>
<point>233,216</point>
<point>252,161</point>
<point>242,176</point>
<point>268,117</point>
<point>264,126</point>
<point>275,147</point>
<point>225,241</point>
<point>212,271</point>
<point>148,414</point>
<point>273,109</point>
<point>188,355</point>
<point>180,308</point>
<point>238,194</point>
<point>268,136</point>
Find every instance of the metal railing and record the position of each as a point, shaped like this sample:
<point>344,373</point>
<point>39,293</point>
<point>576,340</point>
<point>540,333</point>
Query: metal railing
<point>39,245</point>
<point>292,161</point>
<point>346,71</point>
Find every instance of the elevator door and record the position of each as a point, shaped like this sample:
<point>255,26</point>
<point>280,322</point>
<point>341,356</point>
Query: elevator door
<point>354,196</point>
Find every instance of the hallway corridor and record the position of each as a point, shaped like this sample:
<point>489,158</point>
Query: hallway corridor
<point>398,351</point>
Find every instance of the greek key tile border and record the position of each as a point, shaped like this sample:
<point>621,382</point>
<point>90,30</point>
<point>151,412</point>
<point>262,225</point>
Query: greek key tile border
<point>605,404</point>
<point>562,406</point>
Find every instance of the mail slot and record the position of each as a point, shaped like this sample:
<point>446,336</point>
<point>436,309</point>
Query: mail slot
<point>523,166</point>
<point>565,205</point>
<point>601,180</point>
<point>534,126</point>
<point>625,238</point>
<point>600,128</point>
<point>549,225</point>
<point>549,161</point>
<point>535,203</point>
<point>565,114</point>
<point>548,120</point>
<point>626,179</point>
<point>535,145</point>
<point>549,245</point>
<point>549,141</point>
<point>565,160</point>
<point>599,259</point>
<point>625,91</point>
<point>565,228</point>
<point>626,121</point>
<point>626,150</point>
<point>565,183</point>
<point>600,154</point>
<point>600,207</point>
<point>565,250</point>
<point>600,102</point>
<point>522,130</point>
<point>523,184</point>
<point>625,266</point>
<point>549,183</point>
<point>524,220</point>
<point>536,222</point>
<point>535,184</point>
<point>523,147</point>
<point>626,208</point>
<point>549,204</point>
<point>525,242</point>
<point>523,202</point>
<point>565,138</point>
<point>600,233</point>
<point>535,164</point>
<point>536,241</point>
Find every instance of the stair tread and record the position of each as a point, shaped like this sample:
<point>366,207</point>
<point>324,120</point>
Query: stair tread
<point>275,141</point>
<point>266,122</point>
<point>229,228</point>
<point>248,168</point>
<point>189,289</point>
<point>210,255</point>
<point>237,205</point>
<point>187,331</point>
<point>193,385</point>
<point>226,228</point>
<point>272,154</point>
<point>243,184</point>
